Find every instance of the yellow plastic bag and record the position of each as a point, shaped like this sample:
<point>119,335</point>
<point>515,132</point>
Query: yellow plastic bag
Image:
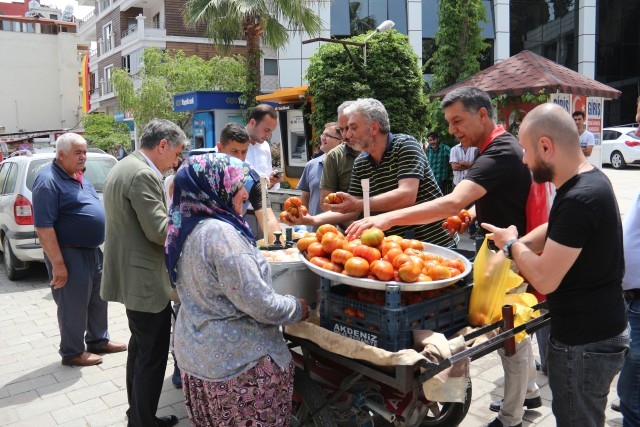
<point>492,278</point>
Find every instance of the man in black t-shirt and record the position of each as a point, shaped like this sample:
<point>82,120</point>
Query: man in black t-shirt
<point>498,183</point>
<point>580,268</point>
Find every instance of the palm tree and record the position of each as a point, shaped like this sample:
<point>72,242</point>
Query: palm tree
<point>254,21</point>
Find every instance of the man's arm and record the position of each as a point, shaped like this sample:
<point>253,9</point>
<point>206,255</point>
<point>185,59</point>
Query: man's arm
<point>462,196</point>
<point>147,199</point>
<point>272,223</point>
<point>405,195</point>
<point>50,246</point>
<point>591,141</point>
<point>544,271</point>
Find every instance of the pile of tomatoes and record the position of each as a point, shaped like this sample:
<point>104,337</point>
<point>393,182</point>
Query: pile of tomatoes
<point>376,256</point>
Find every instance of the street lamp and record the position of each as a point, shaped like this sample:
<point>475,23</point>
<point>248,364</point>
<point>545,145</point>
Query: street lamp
<point>386,25</point>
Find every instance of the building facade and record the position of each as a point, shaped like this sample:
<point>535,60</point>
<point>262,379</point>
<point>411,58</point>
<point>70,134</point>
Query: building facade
<point>39,76</point>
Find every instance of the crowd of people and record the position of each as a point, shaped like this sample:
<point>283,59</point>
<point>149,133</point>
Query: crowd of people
<point>232,360</point>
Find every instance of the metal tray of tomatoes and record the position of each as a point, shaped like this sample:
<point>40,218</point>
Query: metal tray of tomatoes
<point>380,285</point>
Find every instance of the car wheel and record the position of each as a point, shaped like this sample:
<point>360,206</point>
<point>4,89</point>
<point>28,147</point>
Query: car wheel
<point>10,262</point>
<point>617,161</point>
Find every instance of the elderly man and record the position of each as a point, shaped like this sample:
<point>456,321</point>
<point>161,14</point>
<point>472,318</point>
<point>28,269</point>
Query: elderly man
<point>134,272</point>
<point>498,183</point>
<point>398,173</point>
<point>577,260</point>
<point>69,220</point>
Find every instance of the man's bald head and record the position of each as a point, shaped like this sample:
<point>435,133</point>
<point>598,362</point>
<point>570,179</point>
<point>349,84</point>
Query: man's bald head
<point>554,122</point>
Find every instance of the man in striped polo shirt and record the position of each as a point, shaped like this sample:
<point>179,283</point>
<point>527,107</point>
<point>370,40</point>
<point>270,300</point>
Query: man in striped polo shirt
<point>398,172</point>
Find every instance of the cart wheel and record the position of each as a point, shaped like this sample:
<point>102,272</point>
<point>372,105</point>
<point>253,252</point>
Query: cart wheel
<point>310,397</point>
<point>447,414</point>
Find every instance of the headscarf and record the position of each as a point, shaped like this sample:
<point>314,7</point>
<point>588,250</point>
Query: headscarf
<point>204,187</point>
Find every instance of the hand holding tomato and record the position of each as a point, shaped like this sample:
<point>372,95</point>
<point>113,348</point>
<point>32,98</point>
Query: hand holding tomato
<point>349,203</point>
<point>356,229</point>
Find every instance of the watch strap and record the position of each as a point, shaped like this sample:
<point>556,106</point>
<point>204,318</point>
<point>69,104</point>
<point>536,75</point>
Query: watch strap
<point>507,248</point>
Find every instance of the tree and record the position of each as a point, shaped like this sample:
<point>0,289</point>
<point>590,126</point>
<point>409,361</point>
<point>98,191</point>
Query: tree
<point>392,76</point>
<point>102,131</point>
<point>254,21</point>
<point>149,93</point>
<point>457,53</point>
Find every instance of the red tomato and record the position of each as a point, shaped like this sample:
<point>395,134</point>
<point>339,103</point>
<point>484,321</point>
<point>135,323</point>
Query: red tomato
<point>356,267</point>
<point>350,246</point>
<point>401,259</point>
<point>439,272</point>
<point>332,241</point>
<point>383,270</point>
<point>454,263</point>
<point>304,242</point>
<point>315,249</point>
<point>372,237</point>
<point>293,205</point>
<point>453,223</point>
<point>386,245</point>
<point>283,216</point>
<point>427,256</point>
<point>332,267</point>
<point>340,256</point>
<point>320,261</point>
<point>464,215</point>
<point>392,254</point>
<point>366,252</point>
<point>333,198</point>
<point>409,272</point>
<point>394,238</point>
<point>325,228</point>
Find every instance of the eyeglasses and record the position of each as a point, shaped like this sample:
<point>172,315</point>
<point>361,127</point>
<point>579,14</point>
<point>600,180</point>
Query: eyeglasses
<point>326,135</point>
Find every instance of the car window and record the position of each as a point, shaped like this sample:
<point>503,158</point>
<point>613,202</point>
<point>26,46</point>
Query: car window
<point>608,134</point>
<point>97,171</point>
<point>35,166</point>
<point>4,170</point>
<point>633,135</point>
<point>12,177</point>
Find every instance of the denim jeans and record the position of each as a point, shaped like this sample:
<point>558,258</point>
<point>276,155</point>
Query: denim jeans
<point>580,377</point>
<point>629,380</point>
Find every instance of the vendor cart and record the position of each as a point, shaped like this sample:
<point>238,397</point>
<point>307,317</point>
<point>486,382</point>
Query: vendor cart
<point>334,389</point>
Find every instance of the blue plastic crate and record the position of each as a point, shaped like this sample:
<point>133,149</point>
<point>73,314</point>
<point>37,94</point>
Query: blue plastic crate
<point>390,326</point>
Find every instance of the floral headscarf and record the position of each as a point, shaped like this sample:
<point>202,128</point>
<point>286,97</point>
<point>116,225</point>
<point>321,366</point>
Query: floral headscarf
<point>204,187</point>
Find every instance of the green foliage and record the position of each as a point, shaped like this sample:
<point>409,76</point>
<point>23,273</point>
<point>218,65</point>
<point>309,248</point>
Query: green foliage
<point>457,52</point>
<point>149,93</point>
<point>253,20</point>
<point>503,101</point>
<point>392,76</point>
<point>102,131</point>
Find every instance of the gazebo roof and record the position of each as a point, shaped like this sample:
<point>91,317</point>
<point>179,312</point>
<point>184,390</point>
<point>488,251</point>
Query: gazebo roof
<point>528,72</point>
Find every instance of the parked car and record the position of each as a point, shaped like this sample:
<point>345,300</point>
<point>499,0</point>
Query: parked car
<point>620,146</point>
<point>18,239</point>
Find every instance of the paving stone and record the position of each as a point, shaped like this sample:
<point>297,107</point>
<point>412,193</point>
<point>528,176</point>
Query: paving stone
<point>91,392</point>
<point>78,410</point>
<point>43,406</point>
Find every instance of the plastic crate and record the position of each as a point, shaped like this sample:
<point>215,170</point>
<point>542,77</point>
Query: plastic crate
<point>390,326</point>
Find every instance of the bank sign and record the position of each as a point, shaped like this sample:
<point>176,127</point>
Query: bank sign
<point>207,101</point>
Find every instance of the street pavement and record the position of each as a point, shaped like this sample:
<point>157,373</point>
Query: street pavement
<point>36,390</point>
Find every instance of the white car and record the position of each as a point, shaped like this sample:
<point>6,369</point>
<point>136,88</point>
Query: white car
<point>19,242</point>
<point>620,146</point>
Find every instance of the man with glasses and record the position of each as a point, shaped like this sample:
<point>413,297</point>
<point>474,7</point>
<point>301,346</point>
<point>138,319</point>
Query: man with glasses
<point>309,183</point>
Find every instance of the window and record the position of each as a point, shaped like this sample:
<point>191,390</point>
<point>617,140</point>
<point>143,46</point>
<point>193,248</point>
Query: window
<point>156,20</point>
<point>107,37</point>
<point>3,175</point>
<point>350,17</point>
<point>53,16</point>
<point>107,80</point>
<point>126,63</point>
<point>270,67</point>
<point>12,178</point>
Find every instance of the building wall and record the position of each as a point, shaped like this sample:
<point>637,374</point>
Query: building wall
<point>40,87</point>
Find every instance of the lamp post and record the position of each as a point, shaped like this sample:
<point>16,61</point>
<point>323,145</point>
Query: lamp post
<point>386,25</point>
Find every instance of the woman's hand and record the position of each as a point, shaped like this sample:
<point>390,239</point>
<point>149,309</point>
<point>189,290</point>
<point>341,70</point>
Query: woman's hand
<point>305,309</point>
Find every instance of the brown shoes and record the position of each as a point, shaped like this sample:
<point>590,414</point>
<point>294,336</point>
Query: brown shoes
<point>111,347</point>
<point>83,359</point>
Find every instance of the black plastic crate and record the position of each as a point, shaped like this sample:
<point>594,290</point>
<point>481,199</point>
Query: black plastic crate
<point>390,326</point>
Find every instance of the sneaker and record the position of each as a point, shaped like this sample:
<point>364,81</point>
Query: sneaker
<point>615,405</point>
<point>498,423</point>
<point>534,402</point>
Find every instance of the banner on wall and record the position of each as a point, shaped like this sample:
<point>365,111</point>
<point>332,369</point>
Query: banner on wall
<point>86,93</point>
<point>594,113</point>
<point>563,100</point>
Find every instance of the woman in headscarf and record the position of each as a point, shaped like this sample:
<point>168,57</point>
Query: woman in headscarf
<point>236,367</point>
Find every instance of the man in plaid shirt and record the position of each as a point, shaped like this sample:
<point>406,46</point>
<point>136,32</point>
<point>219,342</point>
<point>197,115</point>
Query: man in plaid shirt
<point>438,155</point>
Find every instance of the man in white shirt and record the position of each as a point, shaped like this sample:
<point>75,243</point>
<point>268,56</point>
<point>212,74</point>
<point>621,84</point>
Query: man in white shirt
<point>461,159</point>
<point>262,122</point>
<point>587,140</point>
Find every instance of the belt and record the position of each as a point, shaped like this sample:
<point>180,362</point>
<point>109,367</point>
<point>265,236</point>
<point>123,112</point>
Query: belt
<point>632,293</point>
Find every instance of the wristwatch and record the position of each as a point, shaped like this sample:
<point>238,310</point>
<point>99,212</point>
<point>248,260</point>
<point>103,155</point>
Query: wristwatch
<point>507,248</point>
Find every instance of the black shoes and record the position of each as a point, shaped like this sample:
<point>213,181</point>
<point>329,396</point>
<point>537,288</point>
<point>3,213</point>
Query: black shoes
<point>534,402</point>
<point>168,421</point>
<point>498,423</point>
<point>615,405</point>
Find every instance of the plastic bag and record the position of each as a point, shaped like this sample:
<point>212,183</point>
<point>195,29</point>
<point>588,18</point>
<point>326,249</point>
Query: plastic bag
<point>492,278</point>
